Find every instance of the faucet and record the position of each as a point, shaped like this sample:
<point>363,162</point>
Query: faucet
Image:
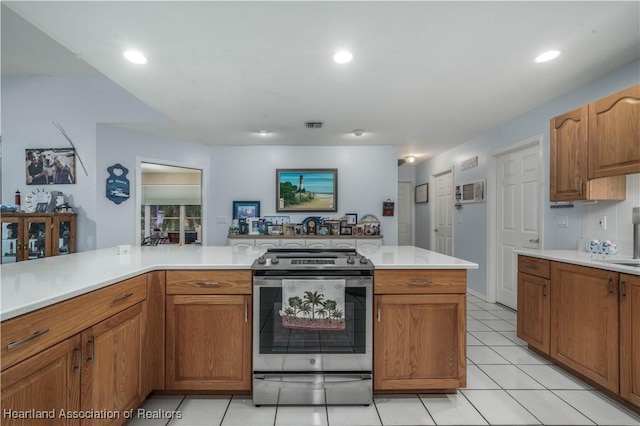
<point>635,219</point>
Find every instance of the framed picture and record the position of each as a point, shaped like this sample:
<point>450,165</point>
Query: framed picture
<point>275,229</point>
<point>352,218</point>
<point>324,229</point>
<point>278,220</point>
<point>41,207</point>
<point>246,209</point>
<point>289,230</point>
<point>253,225</point>
<point>334,227</point>
<point>346,230</point>
<point>422,193</point>
<point>307,190</point>
<point>46,166</point>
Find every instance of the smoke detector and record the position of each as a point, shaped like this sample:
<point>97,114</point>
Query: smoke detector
<point>313,124</point>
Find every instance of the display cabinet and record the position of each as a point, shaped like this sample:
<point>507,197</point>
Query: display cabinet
<point>27,236</point>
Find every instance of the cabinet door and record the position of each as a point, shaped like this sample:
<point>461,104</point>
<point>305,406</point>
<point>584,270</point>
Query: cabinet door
<point>614,134</point>
<point>630,338</point>
<point>45,383</point>
<point>208,342</point>
<point>584,321</point>
<point>419,342</point>
<point>534,311</point>
<point>11,240</point>
<point>568,155</point>
<point>64,234</point>
<point>112,371</point>
<point>37,237</point>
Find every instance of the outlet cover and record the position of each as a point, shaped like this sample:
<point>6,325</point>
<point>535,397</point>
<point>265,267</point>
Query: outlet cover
<point>601,222</point>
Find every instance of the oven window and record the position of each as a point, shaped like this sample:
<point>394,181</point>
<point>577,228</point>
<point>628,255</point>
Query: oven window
<point>276,339</point>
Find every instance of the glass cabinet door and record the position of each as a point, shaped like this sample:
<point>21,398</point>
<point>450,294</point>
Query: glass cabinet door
<point>37,237</point>
<point>10,240</point>
<point>64,237</point>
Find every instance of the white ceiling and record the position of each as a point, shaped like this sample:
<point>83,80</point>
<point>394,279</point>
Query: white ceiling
<point>425,76</point>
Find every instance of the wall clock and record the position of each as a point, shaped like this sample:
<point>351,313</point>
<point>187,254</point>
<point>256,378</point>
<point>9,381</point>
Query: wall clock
<point>35,197</point>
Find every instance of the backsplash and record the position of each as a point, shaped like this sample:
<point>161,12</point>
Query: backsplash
<point>619,228</point>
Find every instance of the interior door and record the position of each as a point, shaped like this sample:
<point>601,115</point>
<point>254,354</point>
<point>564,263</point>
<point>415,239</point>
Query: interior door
<point>443,231</point>
<point>517,216</point>
<point>405,222</point>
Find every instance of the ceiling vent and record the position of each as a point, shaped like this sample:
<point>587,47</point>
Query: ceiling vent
<point>313,124</point>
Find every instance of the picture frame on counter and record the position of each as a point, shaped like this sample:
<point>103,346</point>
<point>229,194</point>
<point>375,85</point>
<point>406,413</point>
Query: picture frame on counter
<point>275,229</point>
<point>278,220</point>
<point>352,218</point>
<point>334,226</point>
<point>253,225</point>
<point>289,230</point>
<point>346,230</point>
<point>306,190</point>
<point>246,209</point>
<point>324,229</point>
<point>422,193</point>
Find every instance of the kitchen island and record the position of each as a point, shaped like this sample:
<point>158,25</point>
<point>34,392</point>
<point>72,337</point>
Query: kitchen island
<point>100,331</point>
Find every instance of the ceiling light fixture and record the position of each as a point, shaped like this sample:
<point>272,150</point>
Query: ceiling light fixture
<point>547,56</point>
<point>263,132</point>
<point>410,158</point>
<point>135,57</point>
<point>343,57</point>
<point>358,132</point>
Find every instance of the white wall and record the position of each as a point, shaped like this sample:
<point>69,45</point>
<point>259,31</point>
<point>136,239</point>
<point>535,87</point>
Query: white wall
<point>470,235</point>
<point>78,103</point>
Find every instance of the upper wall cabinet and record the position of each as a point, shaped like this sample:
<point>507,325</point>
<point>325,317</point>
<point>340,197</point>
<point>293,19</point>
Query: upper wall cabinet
<point>568,162</point>
<point>594,147</point>
<point>614,134</point>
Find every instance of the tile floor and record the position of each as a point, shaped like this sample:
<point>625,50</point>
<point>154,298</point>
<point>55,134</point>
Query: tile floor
<point>506,385</point>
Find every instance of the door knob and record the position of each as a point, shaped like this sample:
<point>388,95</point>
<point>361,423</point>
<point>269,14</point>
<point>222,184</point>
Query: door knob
<point>537,240</point>
<point>435,230</point>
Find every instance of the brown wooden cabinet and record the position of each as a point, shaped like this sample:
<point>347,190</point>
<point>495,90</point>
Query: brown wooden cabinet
<point>46,384</point>
<point>112,364</point>
<point>614,134</point>
<point>534,302</point>
<point>419,330</point>
<point>27,236</point>
<point>208,330</point>
<point>629,288</point>
<point>584,322</point>
<point>569,162</point>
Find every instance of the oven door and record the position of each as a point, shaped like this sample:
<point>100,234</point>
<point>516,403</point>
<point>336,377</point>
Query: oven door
<point>280,349</point>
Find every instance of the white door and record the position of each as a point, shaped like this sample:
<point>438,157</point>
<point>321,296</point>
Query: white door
<point>405,227</point>
<point>517,216</point>
<point>443,231</point>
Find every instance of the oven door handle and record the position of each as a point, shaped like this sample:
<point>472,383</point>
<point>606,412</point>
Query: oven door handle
<point>277,282</point>
<point>352,378</point>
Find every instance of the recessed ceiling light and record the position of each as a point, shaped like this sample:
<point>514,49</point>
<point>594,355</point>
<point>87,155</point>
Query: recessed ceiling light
<point>343,57</point>
<point>263,132</point>
<point>547,56</point>
<point>135,56</point>
<point>358,132</point>
<point>410,158</point>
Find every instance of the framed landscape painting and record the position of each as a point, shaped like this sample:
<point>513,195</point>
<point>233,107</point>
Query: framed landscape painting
<point>307,190</point>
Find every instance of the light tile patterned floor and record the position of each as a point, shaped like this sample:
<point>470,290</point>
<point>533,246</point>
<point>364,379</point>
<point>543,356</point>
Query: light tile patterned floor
<point>506,385</point>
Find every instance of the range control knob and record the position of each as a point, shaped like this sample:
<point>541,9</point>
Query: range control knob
<point>351,260</point>
<point>262,260</point>
<point>275,261</point>
<point>363,260</point>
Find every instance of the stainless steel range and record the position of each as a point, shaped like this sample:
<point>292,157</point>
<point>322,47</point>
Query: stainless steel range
<point>312,334</point>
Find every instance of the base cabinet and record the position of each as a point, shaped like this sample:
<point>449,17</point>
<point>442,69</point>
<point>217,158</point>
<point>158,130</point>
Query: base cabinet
<point>419,340</point>
<point>629,287</point>
<point>534,302</point>
<point>112,365</point>
<point>47,383</point>
<point>584,322</point>
<point>208,330</point>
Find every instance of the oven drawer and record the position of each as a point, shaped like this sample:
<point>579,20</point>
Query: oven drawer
<point>209,282</point>
<point>420,281</point>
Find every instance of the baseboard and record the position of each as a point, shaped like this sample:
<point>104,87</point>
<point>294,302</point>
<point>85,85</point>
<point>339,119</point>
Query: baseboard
<point>476,294</point>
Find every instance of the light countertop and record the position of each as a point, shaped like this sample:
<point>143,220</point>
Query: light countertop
<point>583,258</point>
<point>34,284</point>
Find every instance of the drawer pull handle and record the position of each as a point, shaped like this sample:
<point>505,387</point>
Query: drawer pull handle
<point>122,297</point>
<point>544,290</point>
<point>378,311</point>
<point>21,342</point>
<point>420,282</point>
<point>246,310</point>
<point>622,288</point>
<point>208,283</point>
<point>609,285</point>
<point>79,350</point>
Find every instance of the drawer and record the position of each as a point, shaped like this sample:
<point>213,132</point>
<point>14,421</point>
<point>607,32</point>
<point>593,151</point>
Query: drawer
<point>534,266</point>
<point>31,333</point>
<point>420,281</point>
<point>209,282</point>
